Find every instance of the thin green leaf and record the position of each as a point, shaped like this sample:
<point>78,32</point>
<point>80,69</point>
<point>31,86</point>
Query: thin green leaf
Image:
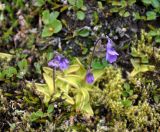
<point>49,81</point>
<point>6,56</point>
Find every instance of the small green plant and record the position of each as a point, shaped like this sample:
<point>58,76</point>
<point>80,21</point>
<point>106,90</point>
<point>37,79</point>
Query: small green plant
<point>126,102</point>
<point>142,52</point>
<point>155,93</point>
<point>36,116</point>
<point>127,90</point>
<point>39,3</point>
<point>156,34</point>
<point>120,7</point>
<point>83,32</point>
<point>139,68</point>
<point>51,23</point>
<point>152,10</point>
<point>78,6</point>
<point>99,63</point>
<point>11,71</point>
<point>8,73</point>
<point>23,68</point>
<point>72,80</point>
<point>155,12</point>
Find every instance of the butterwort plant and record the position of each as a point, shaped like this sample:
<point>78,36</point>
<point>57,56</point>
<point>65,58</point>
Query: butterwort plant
<point>69,84</point>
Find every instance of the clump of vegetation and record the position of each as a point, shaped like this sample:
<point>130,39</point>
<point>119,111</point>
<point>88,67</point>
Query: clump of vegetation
<point>79,65</point>
<point>129,100</point>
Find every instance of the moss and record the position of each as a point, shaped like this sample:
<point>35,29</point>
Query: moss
<point>144,49</point>
<point>142,115</point>
<point>109,93</point>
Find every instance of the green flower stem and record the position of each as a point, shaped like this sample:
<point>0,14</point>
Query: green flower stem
<point>54,78</point>
<point>95,44</point>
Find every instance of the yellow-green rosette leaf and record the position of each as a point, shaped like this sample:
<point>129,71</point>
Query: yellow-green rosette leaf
<point>48,71</point>
<point>97,74</point>
<point>72,69</point>
<point>49,81</point>
<point>72,80</point>
<point>88,109</point>
<point>6,56</point>
<point>68,99</point>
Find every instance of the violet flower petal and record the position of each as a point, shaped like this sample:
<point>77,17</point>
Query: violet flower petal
<point>111,58</point>
<point>111,54</point>
<point>57,57</point>
<point>63,63</point>
<point>59,62</point>
<point>53,64</point>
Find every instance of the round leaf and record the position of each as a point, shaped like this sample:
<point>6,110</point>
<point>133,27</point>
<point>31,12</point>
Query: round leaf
<point>80,15</point>
<point>151,15</point>
<point>57,26</point>
<point>84,32</point>
<point>47,31</point>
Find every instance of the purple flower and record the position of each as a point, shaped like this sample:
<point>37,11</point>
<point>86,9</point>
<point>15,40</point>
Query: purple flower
<point>60,62</point>
<point>55,62</point>
<point>111,54</point>
<point>63,63</point>
<point>89,77</point>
